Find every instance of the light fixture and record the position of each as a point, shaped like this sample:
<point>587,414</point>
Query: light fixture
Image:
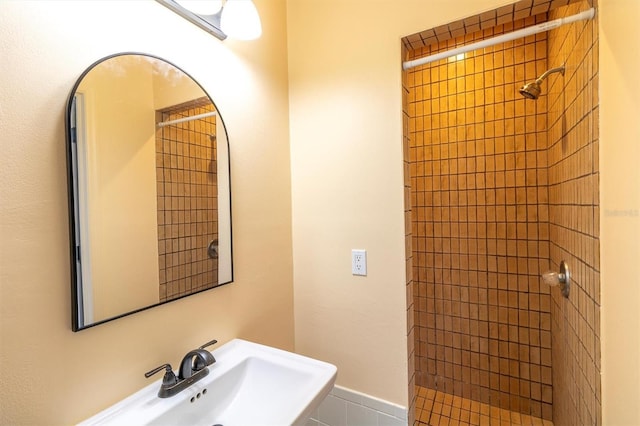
<point>201,7</point>
<point>240,20</point>
<point>237,19</point>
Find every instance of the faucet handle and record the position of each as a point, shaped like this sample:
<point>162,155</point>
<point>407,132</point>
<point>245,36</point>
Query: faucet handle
<point>169,378</point>
<point>213,342</point>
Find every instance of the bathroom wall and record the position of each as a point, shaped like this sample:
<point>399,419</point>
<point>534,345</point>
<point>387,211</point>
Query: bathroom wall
<point>50,374</point>
<point>480,223</point>
<point>574,217</point>
<point>618,55</point>
<point>346,131</point>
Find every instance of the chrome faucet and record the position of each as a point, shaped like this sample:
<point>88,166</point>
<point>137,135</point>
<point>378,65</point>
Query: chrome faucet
<point>192,368</point>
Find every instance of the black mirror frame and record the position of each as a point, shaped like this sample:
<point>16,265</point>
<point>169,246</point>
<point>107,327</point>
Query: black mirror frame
<point>74,243</point>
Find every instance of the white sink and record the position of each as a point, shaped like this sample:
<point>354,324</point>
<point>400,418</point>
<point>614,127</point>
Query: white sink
<point>250,384</point>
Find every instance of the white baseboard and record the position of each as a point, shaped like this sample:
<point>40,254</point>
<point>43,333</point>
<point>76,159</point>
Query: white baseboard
<point>346,407</point>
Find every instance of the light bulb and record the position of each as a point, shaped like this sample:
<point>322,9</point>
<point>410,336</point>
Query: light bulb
<point>240,20</point>
<point>201,7</point>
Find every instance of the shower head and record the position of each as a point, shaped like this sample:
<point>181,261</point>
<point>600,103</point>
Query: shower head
<point>533,90</point>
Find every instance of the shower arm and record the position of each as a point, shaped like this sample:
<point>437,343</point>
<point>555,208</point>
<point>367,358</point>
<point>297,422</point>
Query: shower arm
<point>559,69</point>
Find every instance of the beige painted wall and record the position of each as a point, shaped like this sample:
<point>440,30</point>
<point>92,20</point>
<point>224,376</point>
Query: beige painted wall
<point>347,182</point>
<point>51,375</point>
<point>620,210</point>
<point>121,187</point>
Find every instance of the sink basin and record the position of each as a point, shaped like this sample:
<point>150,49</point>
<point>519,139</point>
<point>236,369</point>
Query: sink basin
<point>250,384</point>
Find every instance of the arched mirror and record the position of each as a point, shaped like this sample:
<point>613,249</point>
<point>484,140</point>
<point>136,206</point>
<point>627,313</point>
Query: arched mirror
<point>149,189</point>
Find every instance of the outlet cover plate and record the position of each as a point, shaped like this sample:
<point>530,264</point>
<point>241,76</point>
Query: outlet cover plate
<point>359,262</point>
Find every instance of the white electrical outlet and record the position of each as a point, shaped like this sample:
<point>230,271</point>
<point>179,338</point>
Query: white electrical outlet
<point>359,262</point>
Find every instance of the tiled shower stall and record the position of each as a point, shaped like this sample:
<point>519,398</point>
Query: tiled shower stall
<point>500,189</point>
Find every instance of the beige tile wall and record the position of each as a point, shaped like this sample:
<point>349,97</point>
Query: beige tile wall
<point>574,218</point>
<point>187,201</point>
<point>480,232</point>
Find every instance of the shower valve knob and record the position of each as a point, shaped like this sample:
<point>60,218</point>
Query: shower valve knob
<point>561,278</point>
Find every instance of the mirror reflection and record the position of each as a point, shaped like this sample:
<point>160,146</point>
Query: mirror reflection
<point>148,186</point>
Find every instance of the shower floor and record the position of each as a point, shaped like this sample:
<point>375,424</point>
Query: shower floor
<point>438,408</point>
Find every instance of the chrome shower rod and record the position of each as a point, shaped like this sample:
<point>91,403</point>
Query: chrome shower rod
<point>185,119</point>
<point>535,29</point>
